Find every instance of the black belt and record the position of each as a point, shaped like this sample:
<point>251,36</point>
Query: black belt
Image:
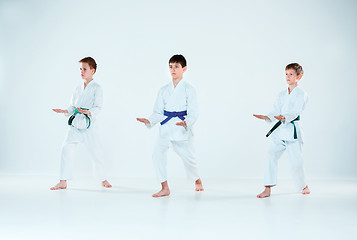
<point>70,120</point>
<point>279,123</point>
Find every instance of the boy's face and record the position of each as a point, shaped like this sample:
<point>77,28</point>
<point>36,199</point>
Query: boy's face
<point>291,77</point>
<point>176,70</point>
<point>86,71</point>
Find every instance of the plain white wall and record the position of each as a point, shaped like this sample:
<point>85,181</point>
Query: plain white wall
<point>236,52</point>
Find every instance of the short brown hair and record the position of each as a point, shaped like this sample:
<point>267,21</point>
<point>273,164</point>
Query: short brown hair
<point>91,62</point>
<point>296,67</point>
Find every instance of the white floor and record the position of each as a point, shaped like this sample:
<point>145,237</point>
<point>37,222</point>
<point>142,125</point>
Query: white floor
<point>228,209</point>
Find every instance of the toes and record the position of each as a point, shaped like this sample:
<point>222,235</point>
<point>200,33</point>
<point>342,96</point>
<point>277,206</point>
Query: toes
<point>262,196</point>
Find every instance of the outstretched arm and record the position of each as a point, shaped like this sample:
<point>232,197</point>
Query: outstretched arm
<point>143,120</point>
<point>60,110</point>
<point>263,117</point>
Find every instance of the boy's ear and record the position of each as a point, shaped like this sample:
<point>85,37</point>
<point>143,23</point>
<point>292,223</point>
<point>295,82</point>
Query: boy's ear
<point>184,69</point>
<point>93,70</point>
<point>299,76</point>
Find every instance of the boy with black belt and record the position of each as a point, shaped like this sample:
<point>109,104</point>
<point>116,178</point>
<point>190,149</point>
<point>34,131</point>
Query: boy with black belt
<point>286,133</point>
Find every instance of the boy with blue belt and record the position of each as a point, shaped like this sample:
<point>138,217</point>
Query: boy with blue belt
<point>176,110</point>
<point>286,133</point>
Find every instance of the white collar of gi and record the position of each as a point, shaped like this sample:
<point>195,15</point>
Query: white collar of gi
<point>179,83</point>
<point>87,84</point>
<point>287,90</point>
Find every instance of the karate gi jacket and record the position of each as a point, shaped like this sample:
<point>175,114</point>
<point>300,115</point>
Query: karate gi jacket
<point>290,106</point>
<point>181,98</point>
<point>90,98</point>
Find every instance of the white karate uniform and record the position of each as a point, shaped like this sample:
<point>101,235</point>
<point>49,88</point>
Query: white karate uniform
<point>290,106</point>
<point>90,98</point>
<point>169,98</point>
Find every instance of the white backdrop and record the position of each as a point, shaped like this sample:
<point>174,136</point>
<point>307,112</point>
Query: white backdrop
<point>236,53</point>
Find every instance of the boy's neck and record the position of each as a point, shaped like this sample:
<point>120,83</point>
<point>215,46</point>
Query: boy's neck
<point>87,81</point>
<point>176,81</point>
<point>291,87</point>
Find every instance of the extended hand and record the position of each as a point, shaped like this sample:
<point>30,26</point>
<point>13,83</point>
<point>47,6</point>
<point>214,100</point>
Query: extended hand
<point>59,110</point>
<point>280,117</point>
<point>143,120</point>
<point>261,117</point>
<point>84,111</point>
<point>183,124</point>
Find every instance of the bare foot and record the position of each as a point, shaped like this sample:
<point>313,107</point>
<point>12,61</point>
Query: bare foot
<point>106,184</point>
<point>162,193</point>
<point>61,185</point>
<point>265,193</point>
<point>198,185</point>
<point>306,190</point>
<point>165,191</point>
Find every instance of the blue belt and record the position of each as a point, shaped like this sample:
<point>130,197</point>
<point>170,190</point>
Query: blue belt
<point>71,118</point>
<point>170,115</point>
<point>279,123</point>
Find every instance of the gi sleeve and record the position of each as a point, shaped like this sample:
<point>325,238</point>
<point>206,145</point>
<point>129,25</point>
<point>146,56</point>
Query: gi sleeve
<point>192,107</point>
<point>158,111</point>
<point>98,102</point>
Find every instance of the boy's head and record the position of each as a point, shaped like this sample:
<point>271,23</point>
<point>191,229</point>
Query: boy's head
<point>178,66</point>
<point>293,72</point>
<point>88,67</point>
<point>178,59</point>
<point>297,67</point>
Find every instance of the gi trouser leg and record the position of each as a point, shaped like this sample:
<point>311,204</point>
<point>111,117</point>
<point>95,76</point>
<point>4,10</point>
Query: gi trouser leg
<point>93,144</point>
<point>90,139</point>
<point>276,149</point>
<point>159,158</point>
<point>66,160</point>
<point>185,150</point>
<point>294,150</point>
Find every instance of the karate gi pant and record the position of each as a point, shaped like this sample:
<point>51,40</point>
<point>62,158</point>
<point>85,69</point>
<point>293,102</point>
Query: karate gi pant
<point>184,149</point>
<point>294,150</point>
<point>90,138</point>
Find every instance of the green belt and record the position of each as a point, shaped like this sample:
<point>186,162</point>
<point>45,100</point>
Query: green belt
<point>70,120</point>
<point>279,123</point>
